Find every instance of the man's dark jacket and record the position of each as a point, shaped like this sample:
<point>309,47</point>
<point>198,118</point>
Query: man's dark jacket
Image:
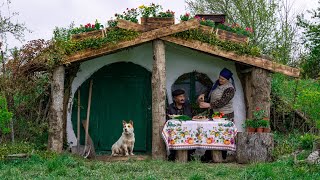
<point>186,110</point>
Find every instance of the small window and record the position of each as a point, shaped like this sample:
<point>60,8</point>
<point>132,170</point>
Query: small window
<point>194,84</point>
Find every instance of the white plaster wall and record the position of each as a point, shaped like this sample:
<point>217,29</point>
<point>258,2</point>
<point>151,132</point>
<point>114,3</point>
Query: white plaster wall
<point>179,60</point>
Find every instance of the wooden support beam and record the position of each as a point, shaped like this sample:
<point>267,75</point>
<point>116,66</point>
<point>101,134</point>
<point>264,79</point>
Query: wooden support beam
<point>142,38</point>
<point>182,156</point>
<point>55,140</point>
<point>123,24</point>
<point>255,61</point>
<point>158,99</point>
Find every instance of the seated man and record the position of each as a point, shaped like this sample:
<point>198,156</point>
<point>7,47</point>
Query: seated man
<point>179,106</point>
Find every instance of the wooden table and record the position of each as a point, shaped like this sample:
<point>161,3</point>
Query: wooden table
<point>209,135</point>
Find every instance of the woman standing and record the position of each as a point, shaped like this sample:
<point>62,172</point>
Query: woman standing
<point>221,95</point>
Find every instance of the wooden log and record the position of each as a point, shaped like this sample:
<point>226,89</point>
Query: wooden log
<point>216,156</point>
<point>151,23</point>
<point>55,140</point>
<point>254,147</point>
<point>158,99</point>
<point>86,35</point>
<point>130,25</point>
<point>182,156</point>
<point>260,90</point>
<point>142,38</point>
<point>249,60</point>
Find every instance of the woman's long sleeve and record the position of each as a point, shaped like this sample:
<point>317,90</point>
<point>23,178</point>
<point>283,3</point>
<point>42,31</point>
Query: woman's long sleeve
<point>225,98</point>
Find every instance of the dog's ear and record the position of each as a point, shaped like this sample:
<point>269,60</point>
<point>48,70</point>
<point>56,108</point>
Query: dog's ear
<point>131,122</point>
<point>124,122</point>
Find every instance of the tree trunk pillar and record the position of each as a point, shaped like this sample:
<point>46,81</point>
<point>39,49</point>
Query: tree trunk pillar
<point>55,141</point>
<point>158,99</point>
<point>257,89</point>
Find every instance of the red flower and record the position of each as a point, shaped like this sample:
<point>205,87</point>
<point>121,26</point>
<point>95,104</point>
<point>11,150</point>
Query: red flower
<point>86,26</point>
<point>258,109</point>
<point>93,26</point>
<point>187,14</point>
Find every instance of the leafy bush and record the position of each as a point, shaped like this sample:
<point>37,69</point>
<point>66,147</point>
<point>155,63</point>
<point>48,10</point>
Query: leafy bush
<point>16,148</point>
<point>300,94</point>
<point>285,143</point>
<point>307,140</point>
<point>5,116</point>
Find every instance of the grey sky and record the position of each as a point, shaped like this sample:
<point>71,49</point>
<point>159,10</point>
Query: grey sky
<point>41,16</point>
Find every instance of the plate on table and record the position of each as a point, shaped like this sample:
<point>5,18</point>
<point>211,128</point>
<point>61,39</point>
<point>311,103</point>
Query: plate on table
<point>200,118</point>
<point>219,119</point>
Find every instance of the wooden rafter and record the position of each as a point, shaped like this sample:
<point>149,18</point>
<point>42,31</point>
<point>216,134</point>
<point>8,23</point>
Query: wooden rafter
<point>254,61</point>
<point>142,38</point>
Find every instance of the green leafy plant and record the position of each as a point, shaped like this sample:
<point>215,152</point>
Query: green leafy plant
<point>151,10</point>
<point>5,116</point>
<point>183,118</point>
<point>236,28</point>
<point>87,28</point>
<point>185,17</point>
<point>167,14</point>
<point>239,48</point>
<point>251,123</point>
<point>112,23</point>
<point>205,22</point>
<point>263,123</point>
<point>129,15</point>
<point>306,141</point>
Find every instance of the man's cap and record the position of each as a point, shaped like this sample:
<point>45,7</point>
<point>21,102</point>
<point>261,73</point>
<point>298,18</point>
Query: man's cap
<point>177,92</point>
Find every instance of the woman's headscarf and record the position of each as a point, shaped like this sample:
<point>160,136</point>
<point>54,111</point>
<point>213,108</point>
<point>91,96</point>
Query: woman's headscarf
<point>226,73</point>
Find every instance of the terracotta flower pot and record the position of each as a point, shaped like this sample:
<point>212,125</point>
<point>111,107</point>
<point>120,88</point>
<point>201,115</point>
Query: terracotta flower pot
<point>260,130</point>
<point>267,130</point>
<point>251,129</point>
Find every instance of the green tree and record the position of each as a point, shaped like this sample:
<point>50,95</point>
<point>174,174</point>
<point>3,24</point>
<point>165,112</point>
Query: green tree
<point>257,14</point>
<point>310,63</point>
<point>273,22</point>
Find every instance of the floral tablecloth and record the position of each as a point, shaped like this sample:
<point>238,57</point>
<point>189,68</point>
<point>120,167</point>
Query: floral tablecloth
<point>209,135</point>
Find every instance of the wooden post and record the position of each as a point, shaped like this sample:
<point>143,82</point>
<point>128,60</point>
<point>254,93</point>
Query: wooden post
<point>158,99</point>
<point>261,86</point>
<point>257,89</point>
<point>216,156</point>
<point>78,122</point>
<point>182,156</point>
<point>254,147</point>
<point>55,140</point>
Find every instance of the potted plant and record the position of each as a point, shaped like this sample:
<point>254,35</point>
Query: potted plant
<point>153,18</point>
<point>259,121</point>
<point>87,31</point>
<point>267,129</point>
<point>250,124</point>
<point>261,125</point>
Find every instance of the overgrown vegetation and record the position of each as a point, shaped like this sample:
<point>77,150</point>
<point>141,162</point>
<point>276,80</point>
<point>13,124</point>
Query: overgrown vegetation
<point>299,94</point>
<point>239,48</point>
<point>65,166</point>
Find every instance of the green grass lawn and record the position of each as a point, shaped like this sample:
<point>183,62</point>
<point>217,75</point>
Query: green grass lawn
<point>69,167</point>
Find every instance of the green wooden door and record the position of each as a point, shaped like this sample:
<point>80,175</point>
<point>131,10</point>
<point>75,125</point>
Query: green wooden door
<point>121,91</point>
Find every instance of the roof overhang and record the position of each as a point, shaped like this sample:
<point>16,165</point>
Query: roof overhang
<point>164,34</point>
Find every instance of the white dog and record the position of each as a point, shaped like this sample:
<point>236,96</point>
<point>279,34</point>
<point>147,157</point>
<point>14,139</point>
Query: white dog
<point>125,144</point>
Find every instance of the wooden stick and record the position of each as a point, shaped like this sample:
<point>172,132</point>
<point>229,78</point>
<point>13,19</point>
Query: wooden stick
<point>88,115</point>
<point>78,123</point>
